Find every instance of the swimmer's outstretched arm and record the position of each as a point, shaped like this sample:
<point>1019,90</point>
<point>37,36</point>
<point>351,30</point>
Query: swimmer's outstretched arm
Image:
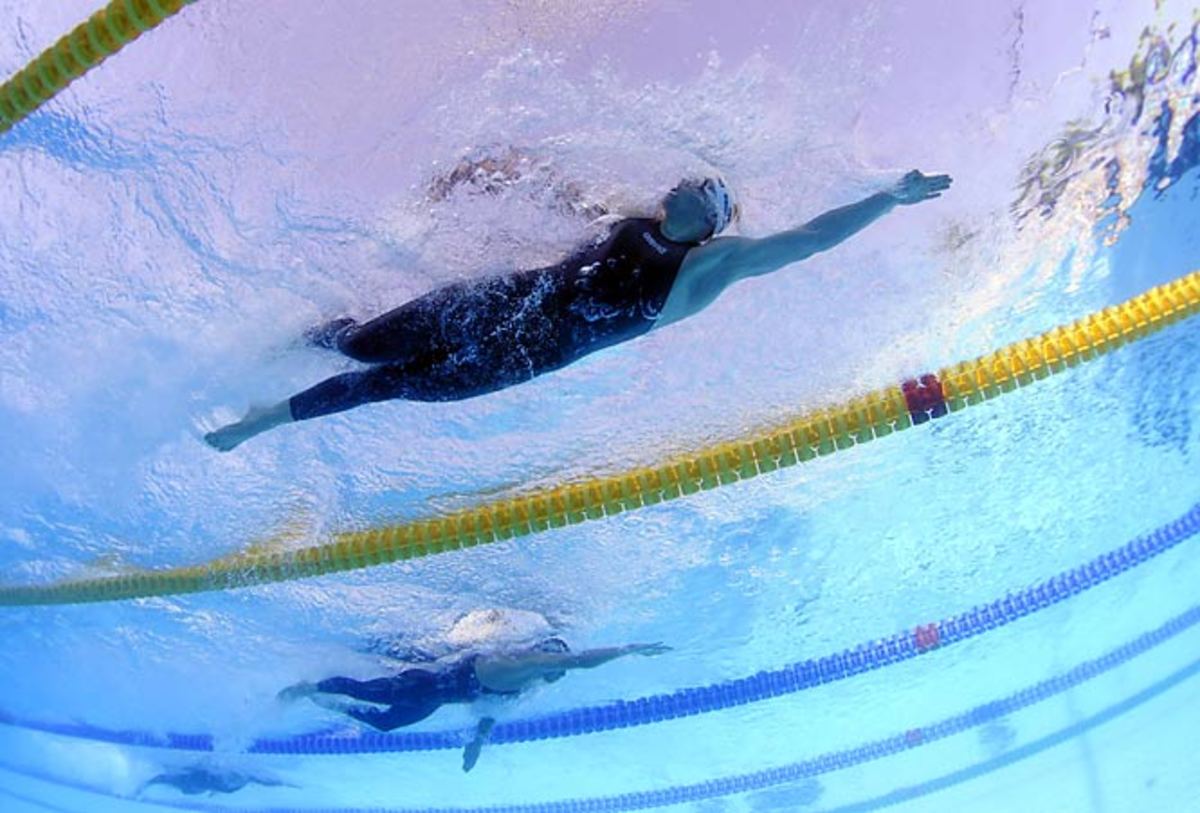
<point>512,672</point>
<point>591,658</point>
<point>742,257</point>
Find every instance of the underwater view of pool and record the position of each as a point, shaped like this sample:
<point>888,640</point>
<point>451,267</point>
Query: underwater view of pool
<point>912,523</point>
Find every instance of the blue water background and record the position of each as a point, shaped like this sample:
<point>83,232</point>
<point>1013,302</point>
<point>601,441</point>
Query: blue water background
<point>179,216</point>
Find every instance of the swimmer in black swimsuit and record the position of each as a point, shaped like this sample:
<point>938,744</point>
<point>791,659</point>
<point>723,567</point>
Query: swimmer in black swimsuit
<point>199,779</point>
<point>417,691</point>
<point>477,337</point>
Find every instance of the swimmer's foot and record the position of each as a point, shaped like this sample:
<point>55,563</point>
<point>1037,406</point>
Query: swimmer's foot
<point>228,437</point>
<point>258,420</point>
<point>475,746</point>
<point>296,691</point>
<point>328,334</point>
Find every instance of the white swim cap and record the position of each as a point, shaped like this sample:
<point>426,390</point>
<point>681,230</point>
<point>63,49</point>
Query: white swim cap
<point>720,203</point>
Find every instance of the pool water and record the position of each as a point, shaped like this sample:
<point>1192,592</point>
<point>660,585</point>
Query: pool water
<point>989,611</point>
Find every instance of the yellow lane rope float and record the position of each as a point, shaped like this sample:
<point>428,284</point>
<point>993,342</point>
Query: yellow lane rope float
<point>90,43</point>
<point>809,436</point>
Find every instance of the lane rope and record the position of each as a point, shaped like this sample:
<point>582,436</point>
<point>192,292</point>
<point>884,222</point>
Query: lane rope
<point>796,677</point>
<point>813,435</point>
<point>91,42</point>
<point>867,752</point>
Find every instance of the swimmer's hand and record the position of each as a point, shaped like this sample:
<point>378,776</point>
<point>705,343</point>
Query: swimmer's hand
<point>475,746</point>
<point>916,187</point>
<point>648,650</point>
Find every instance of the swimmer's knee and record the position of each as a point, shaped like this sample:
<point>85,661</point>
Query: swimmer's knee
<point>331,334</point>
<point>370,345</point>
<point>350,343</point>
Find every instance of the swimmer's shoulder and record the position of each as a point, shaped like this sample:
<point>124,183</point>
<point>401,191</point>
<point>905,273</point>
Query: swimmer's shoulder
<point>707,270</point>
<point>720,253</point>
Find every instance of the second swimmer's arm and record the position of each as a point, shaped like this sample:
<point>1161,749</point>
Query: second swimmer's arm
<point>591,658</point>
<point>510,673</point>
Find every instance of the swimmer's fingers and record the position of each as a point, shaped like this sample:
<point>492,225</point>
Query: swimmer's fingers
<point>917,186</point>
<point>932,186</point>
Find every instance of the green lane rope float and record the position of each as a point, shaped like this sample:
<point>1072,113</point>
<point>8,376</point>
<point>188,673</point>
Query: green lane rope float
<point>809,436</point>
<point>90,43</point>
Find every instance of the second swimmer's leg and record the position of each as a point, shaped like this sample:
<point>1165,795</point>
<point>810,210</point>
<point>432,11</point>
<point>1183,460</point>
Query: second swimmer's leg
<point>411,696</point>
<point>379,690</point>
<point>397,715</point>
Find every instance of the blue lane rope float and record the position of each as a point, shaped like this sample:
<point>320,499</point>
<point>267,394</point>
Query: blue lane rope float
<point>828,762</point>
<point>800,676</point>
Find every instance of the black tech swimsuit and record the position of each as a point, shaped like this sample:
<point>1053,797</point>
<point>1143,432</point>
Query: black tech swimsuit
<point>477,337</point>
<point>411,695</point>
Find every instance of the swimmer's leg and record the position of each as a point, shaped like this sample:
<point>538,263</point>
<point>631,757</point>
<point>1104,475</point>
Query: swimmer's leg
<point>380,690</point>
<point>336,394</point>
<point>258,420</point>
<point>410,697</point>
<point>347,391</point>
<point>397,715</point>
<point>425,379</point>
<point>398,336</point>
<point>328,334</point>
